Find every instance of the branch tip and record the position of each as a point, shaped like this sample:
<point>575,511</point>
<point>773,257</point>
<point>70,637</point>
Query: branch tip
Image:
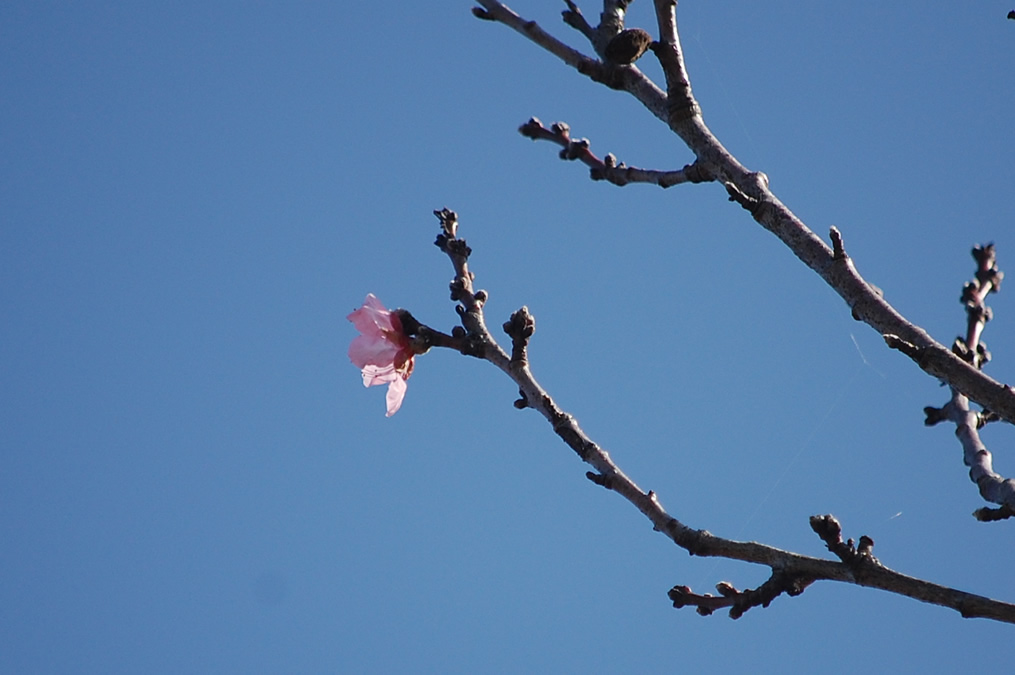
<point>838,250</point>
<point>853,554</point>
<point>739,601</point>
<point>988,515</point>
<point>448,220</point>
<point>934,415</point>
<point>520,328</point>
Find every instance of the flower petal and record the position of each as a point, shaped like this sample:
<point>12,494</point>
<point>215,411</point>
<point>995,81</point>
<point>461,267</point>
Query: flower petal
<point>396,392</point>
<point>372,318</point>
<point>373,375</point>
<point>381,351</point>
<point>367,350</point>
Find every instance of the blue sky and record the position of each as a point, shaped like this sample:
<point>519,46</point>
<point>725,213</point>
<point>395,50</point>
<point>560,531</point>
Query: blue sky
<point>193,479</point>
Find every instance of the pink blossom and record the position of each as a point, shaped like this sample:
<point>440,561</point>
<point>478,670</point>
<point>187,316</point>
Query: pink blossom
<point>381,351</point>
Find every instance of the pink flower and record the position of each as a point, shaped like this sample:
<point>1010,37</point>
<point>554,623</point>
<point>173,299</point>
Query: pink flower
<point>382,351</point>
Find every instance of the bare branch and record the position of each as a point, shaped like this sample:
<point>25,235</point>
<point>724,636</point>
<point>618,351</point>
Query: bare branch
<point>681,106</point>
<point>791,572</point>
<point>607,168</point>
<point>573,17</point>
<point>993,487</point>
<point>627,78</point>
<point>681,112</point>
<point>611,26</point>
<point>739,601</point>
<point>828,528</point>
<point>989,515</point>
<point>475,339</point>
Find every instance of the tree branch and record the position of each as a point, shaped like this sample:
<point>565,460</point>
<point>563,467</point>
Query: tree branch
<point>607,169</point>
<point>681,112</point>
<point>791,572</point>
<point>993,487</point>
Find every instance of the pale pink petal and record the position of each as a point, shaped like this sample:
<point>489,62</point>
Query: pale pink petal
<point>367,350</point>
<point>381,334</point>
<point>372,375</point>
<point>372,318</point>
<point>396,392</point>
<point>381,351</point>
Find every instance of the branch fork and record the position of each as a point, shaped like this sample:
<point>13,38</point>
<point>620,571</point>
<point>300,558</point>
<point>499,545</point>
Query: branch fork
<point>791,573</point>
<point>608,168</point>
<point>676,106</point>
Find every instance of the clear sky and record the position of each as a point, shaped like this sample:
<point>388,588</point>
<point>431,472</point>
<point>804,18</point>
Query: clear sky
<point>194,195</point>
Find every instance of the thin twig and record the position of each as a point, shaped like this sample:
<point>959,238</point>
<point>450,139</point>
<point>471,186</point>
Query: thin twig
<point>791,572</point>
<point>607,168</point>
<point>993,487</point>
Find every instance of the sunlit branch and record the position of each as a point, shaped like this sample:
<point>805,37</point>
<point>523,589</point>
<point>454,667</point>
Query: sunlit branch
<point>677,107</point>
<point>791,572</point>
<point>993,487</point>
<point>607,168</point>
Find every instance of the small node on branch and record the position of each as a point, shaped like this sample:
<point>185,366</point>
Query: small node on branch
<point>739,601</point>
<point>600,479</point>
<point>828,528</point>
<point>523,400</point>
<point>907,348</point>
<point>679,596</point>
<point>982,354</point>
<point>838,250</point>
<point>532,128</point>
<point>989,515</point>
<point>449,221</point>
<point>575,149</point>
<point>726,589</point>
<point>934,415</point>
<point>970,293</point>
<point>481,297</point>
<point>697,172</point>
<point>453,246</point>
<point>481,13</point>
<point>520,328</point>
<point>627,46</point>
<point>978,357</point>
<point>572,16</point>
<point>865,548</point>
<point>986,417</point>
<point>750,204</point>
<point>830,531</point>
<point>984,255</point>
<point>987,273</point>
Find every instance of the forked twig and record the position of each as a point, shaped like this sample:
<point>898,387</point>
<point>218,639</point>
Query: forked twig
<point>608,169</point>
<point>993,487</point>
<point>791,572</point>
<point>680,111</point>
